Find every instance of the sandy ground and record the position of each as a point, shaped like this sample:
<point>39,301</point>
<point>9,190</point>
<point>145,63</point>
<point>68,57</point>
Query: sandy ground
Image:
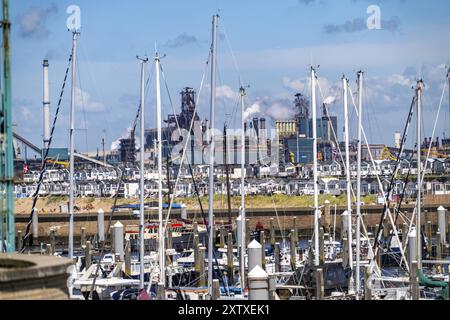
<point>52,204</point>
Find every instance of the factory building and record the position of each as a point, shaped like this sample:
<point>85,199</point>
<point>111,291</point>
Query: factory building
<point>325,128</point>
<point>127,149</point>
<point>256,143</point>
<point>170,133</point>
<point>286,128</point>
<point>296,135</point>
<point>298,150</point>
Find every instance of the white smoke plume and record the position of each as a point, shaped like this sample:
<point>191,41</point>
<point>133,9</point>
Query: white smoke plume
<point>330,100</point>
<point>281,110</point>
<point>116,144</point>
<point>253,109</point>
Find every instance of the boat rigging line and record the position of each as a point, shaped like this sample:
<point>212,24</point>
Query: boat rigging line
<point>182,162</point>
<point>422,177</point>
<point>382,192</point>
<point>340,154</point>
<point>116,197</point>
<point>28,233</point>
<point>388,196</point>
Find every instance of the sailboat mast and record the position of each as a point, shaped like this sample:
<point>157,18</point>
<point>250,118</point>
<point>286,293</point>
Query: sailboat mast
<point>142,177</point>
<point>348,177</point>
<point>448,78</point>
<point>419,174</point>
<point>227,173</point>
<point>46,107</point>
<point>211,155</point>
<point>358,183</point>
<point>162,250</point>
<point>316,191</point>
<point>242,231</point>
<point>72,142</point>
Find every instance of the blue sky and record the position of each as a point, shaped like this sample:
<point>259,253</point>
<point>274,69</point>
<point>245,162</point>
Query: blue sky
<point>271,42</point>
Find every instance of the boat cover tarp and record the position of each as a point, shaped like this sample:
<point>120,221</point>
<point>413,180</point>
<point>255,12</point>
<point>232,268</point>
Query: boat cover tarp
<point>426,282</point>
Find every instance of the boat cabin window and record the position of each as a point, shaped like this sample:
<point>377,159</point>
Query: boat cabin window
<point>186,254</point>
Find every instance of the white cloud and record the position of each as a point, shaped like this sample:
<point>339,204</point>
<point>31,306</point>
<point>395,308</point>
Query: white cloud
<point>281,110</point>
<point>226,92</point>
<point>253,109</point>
<point>295,84</point>
<point>331,90</point>
<point>32,23</point>
<point>85,102</point>
<point>398,79</point>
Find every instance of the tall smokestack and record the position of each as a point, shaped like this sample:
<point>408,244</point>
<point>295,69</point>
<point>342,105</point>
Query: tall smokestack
<point>262,124</point>
<point>397,140</point>
<point>46,105</point>
<point>255,125</point>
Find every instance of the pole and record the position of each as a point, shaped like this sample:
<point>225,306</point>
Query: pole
<point>35,225</point>
<point>316,191</point>
<point>211,156</point>
<point>46,108</point>
<point>262,241</point>
<point>72,143</point>
<point>169,190</point>
<point>419,174</point>
<point>358,184</point>
<point>368,283</point>
<point>293,251</point>
<point>320,294</point>
<point>242,231</point>
<point>277,257</point>
<point>162,250</point>
<point>52,241</point>
<point>141,180</point>
<point>448,78</point>
<point>414,281</point>
<point>428,235</point>
<point>349,182</point>
<point>334,223</point>
<point>87,255</point>
<point>19,240</point>
<point>230,258</point>
<point>227,174</point>
<point>222,235</point>
<point>294,227</point>
<point>321,246</point>
<point>103,148</point>
<point>216,289</point>
<point>202,267</point>
<point>196,245</point>
<point>118,240</point>
<point>6,143</point>
<point>100,226</point>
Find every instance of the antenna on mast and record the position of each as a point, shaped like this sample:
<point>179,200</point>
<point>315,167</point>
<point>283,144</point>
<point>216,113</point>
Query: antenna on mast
<point>142,59</point>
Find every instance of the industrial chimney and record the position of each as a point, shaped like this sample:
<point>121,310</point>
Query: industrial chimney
<point>46,107</point>
<point>262,124</point>
<point>256,125</point>
<point>397,140</point>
